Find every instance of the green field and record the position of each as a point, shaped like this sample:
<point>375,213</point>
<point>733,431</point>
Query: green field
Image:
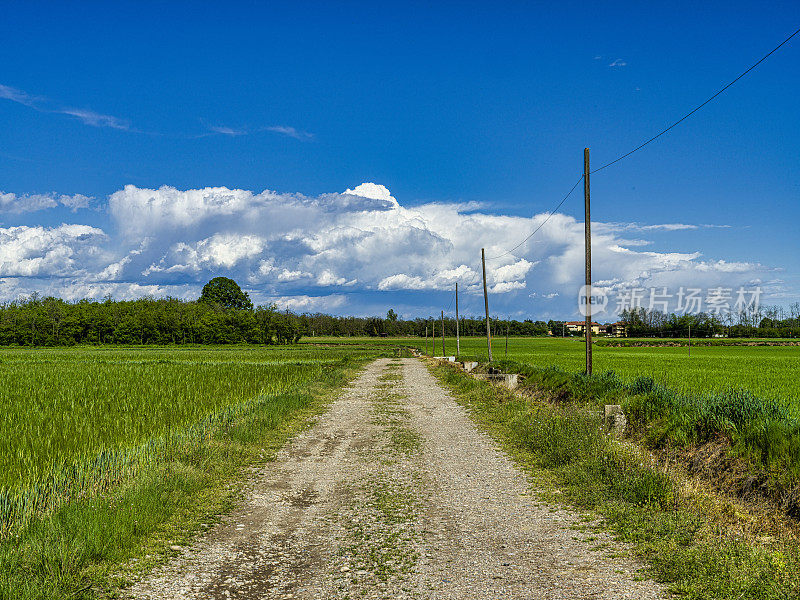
<point>78,420</point>
<point>767,371</point>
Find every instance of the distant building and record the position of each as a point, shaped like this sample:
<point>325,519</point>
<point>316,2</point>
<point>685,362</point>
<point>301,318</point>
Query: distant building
<point>579,327</point>
<point>618,329</point>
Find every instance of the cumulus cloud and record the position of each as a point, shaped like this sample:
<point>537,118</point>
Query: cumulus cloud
<point>329,251</point>
<point>54,252</point>
<point>304,303</point>
<point>14,204</point>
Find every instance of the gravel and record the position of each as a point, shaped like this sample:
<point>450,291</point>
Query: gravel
<point>394,493</point>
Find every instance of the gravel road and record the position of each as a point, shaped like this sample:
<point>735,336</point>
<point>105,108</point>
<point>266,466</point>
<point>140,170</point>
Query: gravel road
<point>394,493</point>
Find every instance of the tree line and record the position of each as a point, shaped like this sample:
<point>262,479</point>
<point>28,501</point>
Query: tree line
<point>765,322</point>
<point>222,315</point>
<point>328,325</point>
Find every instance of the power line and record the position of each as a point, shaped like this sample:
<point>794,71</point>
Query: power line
<point>689,114</point>
<point>542,224</point>
<point>447,310</point>
<point>652,139</point>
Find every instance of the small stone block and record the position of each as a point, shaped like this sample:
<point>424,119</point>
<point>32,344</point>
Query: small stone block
<point>511,381</point>
<point>615,419</point>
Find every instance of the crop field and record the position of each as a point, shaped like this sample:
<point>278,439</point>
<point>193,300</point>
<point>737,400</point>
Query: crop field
<point>767,371</point>
<point>77,420</point>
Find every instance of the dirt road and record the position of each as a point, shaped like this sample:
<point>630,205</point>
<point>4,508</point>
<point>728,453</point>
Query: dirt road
<point>394,493</point>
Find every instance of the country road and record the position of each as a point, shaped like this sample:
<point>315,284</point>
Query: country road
<point>394,493</point>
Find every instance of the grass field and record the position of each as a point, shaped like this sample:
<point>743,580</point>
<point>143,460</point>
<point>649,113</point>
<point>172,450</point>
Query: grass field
<point>108,456</point>
<point>770,372</point>
<point>66,405</point>
<point>110,452</point>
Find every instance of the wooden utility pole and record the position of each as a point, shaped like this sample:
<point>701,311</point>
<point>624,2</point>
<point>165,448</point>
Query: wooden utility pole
<point>443,353</point>
<point>426,340</point>
<point>458,338</point>
<point>588,242</point>
<point>486,304</point>
<point>506,340</point>
<point>433,333</point>
<point>690,340</point>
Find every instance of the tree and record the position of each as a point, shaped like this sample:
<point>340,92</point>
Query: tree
<point>391,316</point>
<point>225,292</point>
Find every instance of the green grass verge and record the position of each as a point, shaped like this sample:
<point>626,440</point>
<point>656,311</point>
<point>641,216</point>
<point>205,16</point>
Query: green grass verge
<point>89,547</point>
<point>763,433</point>
<point>680,534</point>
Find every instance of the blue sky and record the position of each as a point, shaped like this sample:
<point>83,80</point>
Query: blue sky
<point>473,116</point>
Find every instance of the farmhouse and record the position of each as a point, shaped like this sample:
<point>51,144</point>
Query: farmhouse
<point>580,327</point>
<point>618,329</point>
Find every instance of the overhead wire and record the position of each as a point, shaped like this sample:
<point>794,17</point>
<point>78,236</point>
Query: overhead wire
<point>690,113</point>
<point>652,139</point>
<point>542,224</point>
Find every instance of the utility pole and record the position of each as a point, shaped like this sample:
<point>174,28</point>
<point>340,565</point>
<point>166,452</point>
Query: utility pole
<point>486,304</point>
<point>506,340</point>
<point>690,340</point>
<point>426,340</point>
<point>433,332</point>
<point>588,242</point>
<point>458,338</point>
<point>443,353</point>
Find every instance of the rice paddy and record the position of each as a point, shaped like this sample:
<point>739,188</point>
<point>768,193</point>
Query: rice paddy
<point>770,372</point>
<point>76,421</point>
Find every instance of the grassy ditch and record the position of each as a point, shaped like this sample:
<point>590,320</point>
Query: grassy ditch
<point>164,490</point>
<point>750,445</point>
<point>697,543</point>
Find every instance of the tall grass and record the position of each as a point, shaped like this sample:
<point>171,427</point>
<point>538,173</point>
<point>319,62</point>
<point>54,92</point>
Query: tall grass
<point>763,431</point>
<point>76,422</point>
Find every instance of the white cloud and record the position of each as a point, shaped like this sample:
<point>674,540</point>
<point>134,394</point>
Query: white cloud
<point>228,131</point>
<point>95,119</point>
<point>220,251</point>
<point>618,63</point>
<point>374,191</point>
<point>57,251</point>
<point>290,132</point>
<point>286,275</point>
<point>662,226</point>
<point>304,303</point>
<point>15,95</point>
<point>328,278</point>
<point>295,247</point>
<point>16,204</point>
<point>41,104</point>
<point>506,286</point>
